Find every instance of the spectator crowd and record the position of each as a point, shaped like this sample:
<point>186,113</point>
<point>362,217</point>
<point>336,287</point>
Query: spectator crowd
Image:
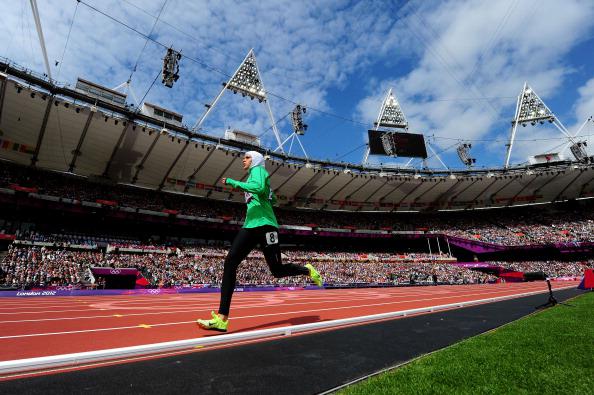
<point>34,266</point>
<point>42,267</point>
<point>553,269</point>
<point>510,227</point>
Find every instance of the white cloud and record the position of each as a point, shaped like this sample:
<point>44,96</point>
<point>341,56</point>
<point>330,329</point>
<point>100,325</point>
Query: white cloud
<point>585,103</point>
<point>584,109</point>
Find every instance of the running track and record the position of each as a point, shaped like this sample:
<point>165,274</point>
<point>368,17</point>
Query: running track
<point>35,327</point>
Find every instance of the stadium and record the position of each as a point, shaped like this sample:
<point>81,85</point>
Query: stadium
<point>116,234</point>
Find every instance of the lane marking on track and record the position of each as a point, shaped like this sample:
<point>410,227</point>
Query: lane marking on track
<point>132,301</point>
<point>243,296</point>
<point>45,302</point>
<point>234,318</point>
<point>198,309</point>
<point>321,298</point>
<point>130,304</point>
<point>240,304</point>
<point>145,326</point>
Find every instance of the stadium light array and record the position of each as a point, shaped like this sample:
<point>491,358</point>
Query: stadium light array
<point>391,114</point>
<point>532,108</point>
<point>297,120</point>
<point>247,80</point>
<point>463,151</point>
<point>578,150</point>
<point>171,67</point>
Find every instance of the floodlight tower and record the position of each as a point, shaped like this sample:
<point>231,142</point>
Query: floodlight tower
<point>531,108</point>
<point>247,81</point>
<point>390,116</point>
<point>299,128</point>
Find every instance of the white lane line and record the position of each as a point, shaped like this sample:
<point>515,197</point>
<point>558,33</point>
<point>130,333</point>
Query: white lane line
<point>289,295</point>
<point>132,301</point>
<point>234,318</point>
<point>197,308</point>
<point>168,298</point>
<point>121,306</point>
<point>114,307</point>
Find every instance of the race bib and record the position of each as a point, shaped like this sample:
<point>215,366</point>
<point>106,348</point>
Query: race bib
<point>271,238</point>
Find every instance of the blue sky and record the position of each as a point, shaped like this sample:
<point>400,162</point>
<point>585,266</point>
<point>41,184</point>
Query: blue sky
<point>455,66</point>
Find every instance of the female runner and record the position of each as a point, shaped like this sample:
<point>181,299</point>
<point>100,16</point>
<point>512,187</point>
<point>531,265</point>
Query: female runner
<point>260,227</point>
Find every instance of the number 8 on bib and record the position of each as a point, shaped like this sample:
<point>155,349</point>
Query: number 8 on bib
<point>271,238</point>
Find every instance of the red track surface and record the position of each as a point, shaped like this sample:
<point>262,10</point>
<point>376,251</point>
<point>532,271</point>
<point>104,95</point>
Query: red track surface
<point>35,327</point>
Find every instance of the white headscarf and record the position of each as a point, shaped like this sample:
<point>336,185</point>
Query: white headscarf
<point>257,158</point>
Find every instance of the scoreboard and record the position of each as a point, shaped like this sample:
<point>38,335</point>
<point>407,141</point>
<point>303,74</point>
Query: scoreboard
<point>385,143</point>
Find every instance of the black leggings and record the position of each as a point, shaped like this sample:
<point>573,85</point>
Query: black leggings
<point>244,242</point>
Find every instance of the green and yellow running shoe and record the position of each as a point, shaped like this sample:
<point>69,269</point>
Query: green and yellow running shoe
<point>315,276</point>
<point>215,324</point>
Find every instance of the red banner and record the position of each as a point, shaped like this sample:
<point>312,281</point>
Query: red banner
<point>17,187</point>
<point>107,202</point>
<point>512,276</point>
<point>141,282</point>
<point>588,281</point>
<point>168,211</point>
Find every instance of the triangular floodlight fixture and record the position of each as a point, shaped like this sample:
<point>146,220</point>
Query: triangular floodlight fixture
<point>391,115</point>
<point>531,107</point>
<point>246,79</point>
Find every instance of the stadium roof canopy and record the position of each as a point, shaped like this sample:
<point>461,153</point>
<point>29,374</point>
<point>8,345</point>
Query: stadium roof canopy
<point>62,129</point>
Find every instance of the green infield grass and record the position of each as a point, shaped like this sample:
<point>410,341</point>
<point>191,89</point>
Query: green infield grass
<point>549,352</point>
